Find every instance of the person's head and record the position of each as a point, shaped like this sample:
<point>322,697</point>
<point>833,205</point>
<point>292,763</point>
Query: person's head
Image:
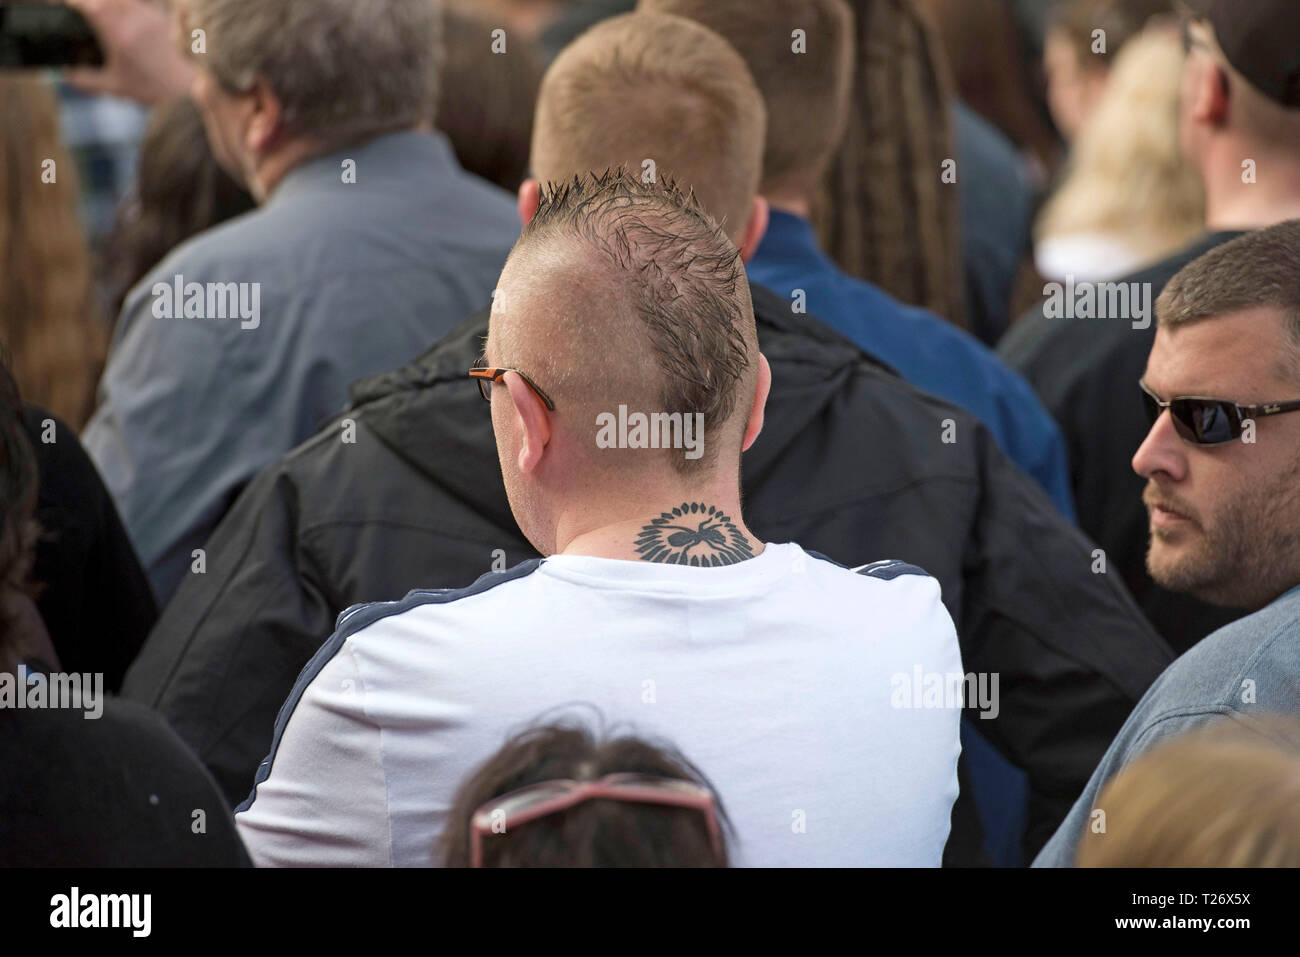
<point>179,191</point>
<point>282,81</point>
<point>630,825</point>
<point>667,98</point>
<point>46,312</point>
<point>1083,39</point>
<point>1241,90</point>
<point>526,19</point>
<point>857,106</point>
<point>1227,795</point>
<point>621,296</point>
<point>800,52</point>
<point>1127,176</point>
<point>486,99</point>
<point>1225,518</point>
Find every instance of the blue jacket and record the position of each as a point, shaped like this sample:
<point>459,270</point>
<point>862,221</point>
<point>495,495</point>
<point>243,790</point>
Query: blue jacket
<point>346,276</point>
<point>926,350</point>
<point>1244,669</point>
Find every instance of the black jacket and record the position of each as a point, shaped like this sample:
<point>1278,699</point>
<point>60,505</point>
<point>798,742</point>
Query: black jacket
<point>850,463</point>
<point>95,600</point>
<point>119,790</point>
<point>1087,372</point>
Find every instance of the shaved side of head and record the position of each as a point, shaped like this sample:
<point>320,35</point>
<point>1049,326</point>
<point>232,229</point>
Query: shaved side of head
<point>627,293</point>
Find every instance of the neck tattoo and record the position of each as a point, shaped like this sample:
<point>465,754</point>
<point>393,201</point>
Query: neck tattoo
<point>693,534</point>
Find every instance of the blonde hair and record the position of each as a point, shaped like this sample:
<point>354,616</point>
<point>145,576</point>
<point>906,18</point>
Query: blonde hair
<point>1128,176</point>
<point>46,319</point>
<point>654,86</point>
<point>1227,795</point>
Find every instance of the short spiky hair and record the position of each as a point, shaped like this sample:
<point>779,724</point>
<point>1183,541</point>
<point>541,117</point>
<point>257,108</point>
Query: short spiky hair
<point>1260,268</point>
<point>678,270</point>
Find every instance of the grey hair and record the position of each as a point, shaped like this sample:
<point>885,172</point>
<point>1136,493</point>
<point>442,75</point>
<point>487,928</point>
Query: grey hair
<point>343,70</point>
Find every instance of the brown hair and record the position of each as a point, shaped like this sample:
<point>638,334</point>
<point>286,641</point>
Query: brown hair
<point>486,101</point>
<point>806,90</point>
<point>986,52</point>
<point>596,833</point>
<point>1261,268</point>
<point>1227,795</point>
<point>653,87</point>
<point>46,319</point>
<point>180,191</point>
<point>1121,20</point>
<point>885,214</point>
<point>19,486</point>
<point>681,276</point>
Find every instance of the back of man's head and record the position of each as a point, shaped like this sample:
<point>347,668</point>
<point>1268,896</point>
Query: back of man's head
<point>623,299</point>
<point>1243,74</point>
<point>801,54</point>
<point>662,95</point>
<point>342,70</point>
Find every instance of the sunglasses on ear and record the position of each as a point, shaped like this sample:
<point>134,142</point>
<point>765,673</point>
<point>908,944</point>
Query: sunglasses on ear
<point>1205,421</point>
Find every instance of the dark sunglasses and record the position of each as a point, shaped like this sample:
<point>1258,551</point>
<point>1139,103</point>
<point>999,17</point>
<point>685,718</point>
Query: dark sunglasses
<point>1205,421</point>
<point>487,375</point>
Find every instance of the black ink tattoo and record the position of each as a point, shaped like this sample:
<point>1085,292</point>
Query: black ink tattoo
<point>693,534</point>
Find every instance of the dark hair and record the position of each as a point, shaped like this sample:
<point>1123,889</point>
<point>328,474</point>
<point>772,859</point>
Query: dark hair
<point>486,101</point>
<point>884,213</point>
<point>19,484</point>
<point>179,191</point>
<point>595,833</point>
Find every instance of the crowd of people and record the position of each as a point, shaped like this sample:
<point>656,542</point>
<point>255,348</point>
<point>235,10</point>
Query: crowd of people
<point>887,458</point>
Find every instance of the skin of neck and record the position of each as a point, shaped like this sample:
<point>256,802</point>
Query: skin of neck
<point>1231,204</point>
<point>796,204</point>
<point>268,169</point>
<point>609,526</point>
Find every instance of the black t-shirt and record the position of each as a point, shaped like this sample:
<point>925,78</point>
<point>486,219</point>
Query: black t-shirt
<point>120,790</point>
<point>97,604</point>
<point>1086,371</point>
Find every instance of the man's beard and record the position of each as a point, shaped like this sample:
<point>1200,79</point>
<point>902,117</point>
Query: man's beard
<point>1245,557</point>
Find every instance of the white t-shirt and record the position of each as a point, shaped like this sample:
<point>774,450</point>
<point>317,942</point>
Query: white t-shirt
<point>781,677</point>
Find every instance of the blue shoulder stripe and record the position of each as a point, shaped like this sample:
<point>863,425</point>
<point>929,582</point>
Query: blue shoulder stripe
<point>887,570</point>
<point>353,620</point>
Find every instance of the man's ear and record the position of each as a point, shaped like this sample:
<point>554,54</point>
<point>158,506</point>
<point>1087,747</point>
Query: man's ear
<point>532,420</point>
<point>530,193</point>
<point>755,230</point>
<point>264,119</point>
<point>1211,97</point>
<point>761,389</point>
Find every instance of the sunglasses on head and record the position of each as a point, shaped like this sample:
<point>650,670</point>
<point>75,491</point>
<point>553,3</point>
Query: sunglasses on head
<point>1205,421</point>
<point>551,797</point>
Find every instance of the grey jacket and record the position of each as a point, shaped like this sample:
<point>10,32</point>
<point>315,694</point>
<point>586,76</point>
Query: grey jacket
<point>358,261</point>
<point>1249,667</point>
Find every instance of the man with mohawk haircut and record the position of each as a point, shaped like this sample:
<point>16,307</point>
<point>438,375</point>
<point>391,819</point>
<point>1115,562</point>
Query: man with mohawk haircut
<point>851,462</point>
<point>744,639</point>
